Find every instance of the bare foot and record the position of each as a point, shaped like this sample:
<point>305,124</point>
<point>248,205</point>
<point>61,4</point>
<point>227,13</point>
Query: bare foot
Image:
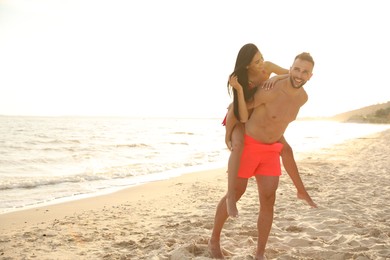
<point>231,207</point>
<point>215,249</point>
<point>306,197</point>
<point>261,257</point>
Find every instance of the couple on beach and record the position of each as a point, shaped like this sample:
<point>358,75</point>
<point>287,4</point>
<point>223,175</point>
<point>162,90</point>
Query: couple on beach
<point>255,123</point>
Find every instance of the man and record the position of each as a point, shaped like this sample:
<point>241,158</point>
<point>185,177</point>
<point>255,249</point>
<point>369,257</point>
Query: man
<point>273,110</point>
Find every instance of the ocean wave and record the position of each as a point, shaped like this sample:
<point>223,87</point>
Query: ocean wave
<point>183,133</point>
<point>23,183</point>
<point>90,175</point>
<point>178,143</point>
<point>137,145</point>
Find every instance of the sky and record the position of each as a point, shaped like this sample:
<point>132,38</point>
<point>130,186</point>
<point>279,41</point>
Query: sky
<point>172,58</point>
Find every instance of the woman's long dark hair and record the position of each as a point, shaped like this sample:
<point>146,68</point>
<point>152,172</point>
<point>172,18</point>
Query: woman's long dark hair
<point>244,58</point>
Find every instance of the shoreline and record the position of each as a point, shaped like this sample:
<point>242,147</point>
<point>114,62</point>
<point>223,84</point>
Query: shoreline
<point>173,218</point>
<point>136,181</point>
<point>50,211</point>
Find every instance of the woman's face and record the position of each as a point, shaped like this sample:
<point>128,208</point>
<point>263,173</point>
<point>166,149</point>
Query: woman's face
<point>256,63</point>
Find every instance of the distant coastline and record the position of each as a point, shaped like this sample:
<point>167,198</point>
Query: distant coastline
<point>374,114</point>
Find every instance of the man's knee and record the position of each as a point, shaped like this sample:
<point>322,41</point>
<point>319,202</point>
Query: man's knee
<point>268,196</point>
<point>267,200</point>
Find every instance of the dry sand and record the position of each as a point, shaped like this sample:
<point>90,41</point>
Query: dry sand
<point>172,219</point>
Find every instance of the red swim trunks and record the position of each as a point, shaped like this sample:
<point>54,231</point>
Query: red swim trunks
<point>259,159</point>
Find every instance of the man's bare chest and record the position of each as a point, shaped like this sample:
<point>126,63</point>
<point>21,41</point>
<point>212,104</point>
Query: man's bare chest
<point>284,108</point>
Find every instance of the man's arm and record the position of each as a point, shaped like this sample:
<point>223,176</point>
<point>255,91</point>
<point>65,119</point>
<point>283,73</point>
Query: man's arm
<point>291,168</point>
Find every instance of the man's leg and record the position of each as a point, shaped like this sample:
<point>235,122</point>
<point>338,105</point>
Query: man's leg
<point>221,216</point>
<point>267,186</point>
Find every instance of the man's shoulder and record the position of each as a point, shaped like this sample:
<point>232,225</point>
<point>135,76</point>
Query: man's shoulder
<point>303,96</point>
<point>280,84</point>
<point>282,81</point>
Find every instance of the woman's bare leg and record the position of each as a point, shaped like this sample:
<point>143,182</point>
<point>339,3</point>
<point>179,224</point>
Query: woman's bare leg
<point>233,166</point>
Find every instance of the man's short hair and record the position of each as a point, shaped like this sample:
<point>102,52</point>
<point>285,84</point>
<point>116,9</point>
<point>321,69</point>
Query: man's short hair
<point>305,56</point>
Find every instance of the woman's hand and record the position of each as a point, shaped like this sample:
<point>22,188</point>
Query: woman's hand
<point>270,83</point>
<point>233,81</point>
<point>239,96</point>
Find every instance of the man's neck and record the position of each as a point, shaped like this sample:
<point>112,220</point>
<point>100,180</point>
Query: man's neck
<point>290,88</point>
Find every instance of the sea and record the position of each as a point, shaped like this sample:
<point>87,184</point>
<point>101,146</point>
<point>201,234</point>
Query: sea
<point>46,160</point>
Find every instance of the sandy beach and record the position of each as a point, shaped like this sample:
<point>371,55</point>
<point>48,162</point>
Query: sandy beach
<point>172,219</point>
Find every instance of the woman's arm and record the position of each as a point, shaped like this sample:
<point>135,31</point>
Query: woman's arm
<point>269,83</point>
<point>273,68</point>
<point>242,109</point>
<point>231,122</point>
